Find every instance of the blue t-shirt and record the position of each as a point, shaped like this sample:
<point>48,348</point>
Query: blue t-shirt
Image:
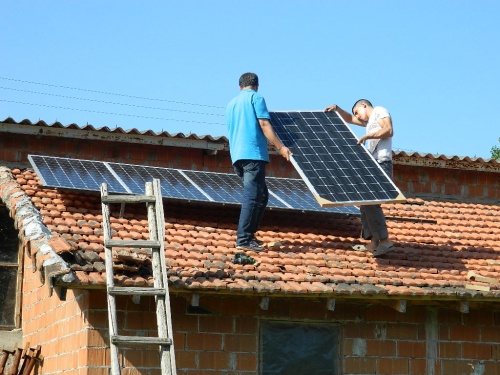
<point>246,139</point>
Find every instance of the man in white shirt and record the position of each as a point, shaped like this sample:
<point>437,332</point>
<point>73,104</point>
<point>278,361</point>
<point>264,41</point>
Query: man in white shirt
<point>378,137</point>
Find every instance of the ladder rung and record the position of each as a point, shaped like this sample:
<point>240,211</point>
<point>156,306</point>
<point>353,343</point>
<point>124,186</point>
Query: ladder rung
<point>128,198</point>
<point>137,340</point>
<point>132,243</point>
<point>136,291</point>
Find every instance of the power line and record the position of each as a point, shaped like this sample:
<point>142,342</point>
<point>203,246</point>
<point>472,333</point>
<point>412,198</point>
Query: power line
<point>114,103</point>
<point>111,113</point>
<point>108,93</point>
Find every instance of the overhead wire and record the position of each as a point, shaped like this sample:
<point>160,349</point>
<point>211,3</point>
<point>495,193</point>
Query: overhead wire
<point>110,113</point>
<point>108,93</point>
<point>108,102</point>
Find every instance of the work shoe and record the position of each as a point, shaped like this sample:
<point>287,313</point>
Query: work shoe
<point>258,242</point>
<point>252,245</point>
<point>383,249</point>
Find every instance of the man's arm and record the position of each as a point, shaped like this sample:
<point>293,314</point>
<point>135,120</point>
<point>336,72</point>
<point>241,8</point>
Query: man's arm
<point>386,131</point>
<point>345,115</point>
<point>269,133</point>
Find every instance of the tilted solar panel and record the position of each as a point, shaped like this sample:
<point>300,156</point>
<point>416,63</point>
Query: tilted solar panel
<point>284,193</point>
<point>335,168</point>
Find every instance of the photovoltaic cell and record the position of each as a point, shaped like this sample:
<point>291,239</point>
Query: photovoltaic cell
<point>296,193</point>
<point>335,168</point>
<point>219,187</point>
<point>74,174</point>
<point>173,183</point>
<point>224,187</point>
<point>190,185</point>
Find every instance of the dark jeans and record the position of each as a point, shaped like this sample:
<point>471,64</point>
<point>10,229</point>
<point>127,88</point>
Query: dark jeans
<point>255,197</point>
<point>372,217</point>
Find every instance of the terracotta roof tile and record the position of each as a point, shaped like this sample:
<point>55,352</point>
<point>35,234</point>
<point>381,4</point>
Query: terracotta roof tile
<point>437,243</point>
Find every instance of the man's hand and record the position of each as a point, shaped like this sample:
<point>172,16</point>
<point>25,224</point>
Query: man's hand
<point>331,108</point>
<point>362,140</point>
<point>269,133</point>
<point>285,152</point>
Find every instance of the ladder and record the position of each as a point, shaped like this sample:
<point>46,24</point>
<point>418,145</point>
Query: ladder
<point>156,222</point>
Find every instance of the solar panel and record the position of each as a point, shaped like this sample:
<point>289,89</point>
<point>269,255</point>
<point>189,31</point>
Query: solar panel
<point>225,187</point>
<point>172,182</point>
<point>75,174</point>
<point>295,194</point>
<point>180,184</point>
<point>334,167</point>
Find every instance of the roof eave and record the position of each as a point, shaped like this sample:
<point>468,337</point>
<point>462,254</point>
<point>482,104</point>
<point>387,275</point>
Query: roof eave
<point>111,136</point>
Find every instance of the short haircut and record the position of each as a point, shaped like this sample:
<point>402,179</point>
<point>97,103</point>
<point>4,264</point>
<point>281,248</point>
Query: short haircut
<point>361,101</point>
<point>249,79</point>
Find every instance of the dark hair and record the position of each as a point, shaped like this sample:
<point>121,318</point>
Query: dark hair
<point>249,79</point>
<point>361,101</point>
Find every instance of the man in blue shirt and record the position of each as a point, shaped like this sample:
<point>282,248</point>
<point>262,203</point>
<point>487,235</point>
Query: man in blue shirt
<point>249,130</point>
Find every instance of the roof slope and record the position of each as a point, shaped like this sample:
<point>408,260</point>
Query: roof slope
<point>438,244</point>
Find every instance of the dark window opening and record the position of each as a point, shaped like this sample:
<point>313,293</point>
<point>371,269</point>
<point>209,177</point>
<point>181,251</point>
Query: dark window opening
<point>297,348</point>
<point>9,263</point>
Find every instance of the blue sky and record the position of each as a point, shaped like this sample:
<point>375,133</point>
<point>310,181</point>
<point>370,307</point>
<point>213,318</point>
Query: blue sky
<point>173,65</point>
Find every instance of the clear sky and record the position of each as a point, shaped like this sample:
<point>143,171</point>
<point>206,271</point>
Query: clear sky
<point>174,65</point>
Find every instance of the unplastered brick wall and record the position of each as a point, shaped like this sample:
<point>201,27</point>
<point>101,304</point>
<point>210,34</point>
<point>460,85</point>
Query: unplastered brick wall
<point>59,327</point>
<point>449,184</point>
<point>375,339</point>
<point>14,151</point>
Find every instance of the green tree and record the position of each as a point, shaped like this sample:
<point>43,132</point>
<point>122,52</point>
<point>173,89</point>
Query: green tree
<point>495,152</point>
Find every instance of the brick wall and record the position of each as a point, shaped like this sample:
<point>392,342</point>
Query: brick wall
<point>14,151</point>
<point>449,184</point>
<point>375,339</point>
<point>60,327</point>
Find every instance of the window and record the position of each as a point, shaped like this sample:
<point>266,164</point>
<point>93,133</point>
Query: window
<point>9,264</point>
<point>298,348</point>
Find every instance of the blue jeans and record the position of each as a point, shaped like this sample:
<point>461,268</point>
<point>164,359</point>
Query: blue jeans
<point>255,197</point>
<point>372,217</point>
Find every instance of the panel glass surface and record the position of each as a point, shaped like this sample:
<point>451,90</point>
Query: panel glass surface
<point>297,195</point>
<point>327,153</point>
<point>173,183</point>
<point>224,187</point>
<point>74,174</point>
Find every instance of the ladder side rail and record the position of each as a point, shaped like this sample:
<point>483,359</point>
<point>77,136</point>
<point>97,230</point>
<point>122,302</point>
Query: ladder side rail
<point>160,220</point>
<point>161,307</point>
<point>113,322</point>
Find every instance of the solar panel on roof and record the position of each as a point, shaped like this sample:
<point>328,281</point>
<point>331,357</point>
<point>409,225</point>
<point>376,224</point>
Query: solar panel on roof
<point>335,168</point>
<point>295,194</point>
<point>75,174</point>
<point>219,187</point>
<point>224,187</point>
<point>173,183</point>
<point>284,193</point>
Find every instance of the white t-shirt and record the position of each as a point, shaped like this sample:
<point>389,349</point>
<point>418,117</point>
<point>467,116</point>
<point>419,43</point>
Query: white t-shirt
<point>381,149</point>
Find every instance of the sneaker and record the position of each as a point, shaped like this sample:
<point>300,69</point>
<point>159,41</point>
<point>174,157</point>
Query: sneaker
<point>252,245</point>
<point>258,242</point>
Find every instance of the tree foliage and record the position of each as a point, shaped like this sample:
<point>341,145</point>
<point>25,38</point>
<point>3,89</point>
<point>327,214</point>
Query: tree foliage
<point>495,152</point>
